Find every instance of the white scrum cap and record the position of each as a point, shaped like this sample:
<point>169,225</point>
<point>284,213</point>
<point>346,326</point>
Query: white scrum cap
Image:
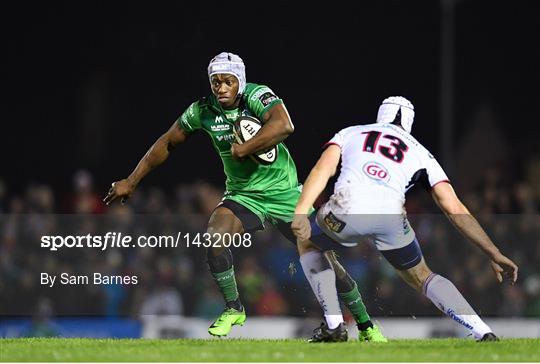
<point>231,64</point>
<point>396,108</point>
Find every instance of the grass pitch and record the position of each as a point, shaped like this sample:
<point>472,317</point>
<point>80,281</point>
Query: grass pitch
<point>235,350</point>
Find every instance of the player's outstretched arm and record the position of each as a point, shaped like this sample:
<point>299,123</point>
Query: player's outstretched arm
<point>315,183</point>
<point>277,126</point>
<point>156,155</point>
<point>445,196</point>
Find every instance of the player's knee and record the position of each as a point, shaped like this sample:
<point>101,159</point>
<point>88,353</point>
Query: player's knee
<point>214,234</point>
<point>223,221</point>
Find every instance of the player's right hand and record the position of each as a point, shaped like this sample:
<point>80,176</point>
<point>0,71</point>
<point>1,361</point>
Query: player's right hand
<point>501,265</point>
<point>301,227</point>
<point>237,151</point>
<point>120,189</point>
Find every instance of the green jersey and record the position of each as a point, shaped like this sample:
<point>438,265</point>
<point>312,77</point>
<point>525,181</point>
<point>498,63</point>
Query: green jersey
<point>245,175</point>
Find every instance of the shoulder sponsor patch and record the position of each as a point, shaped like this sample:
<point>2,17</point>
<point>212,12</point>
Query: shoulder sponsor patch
<point>260,91</point>
<point>267,98</point>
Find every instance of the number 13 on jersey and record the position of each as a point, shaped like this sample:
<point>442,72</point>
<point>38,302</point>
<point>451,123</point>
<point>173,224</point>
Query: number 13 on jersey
<point>395,151</point>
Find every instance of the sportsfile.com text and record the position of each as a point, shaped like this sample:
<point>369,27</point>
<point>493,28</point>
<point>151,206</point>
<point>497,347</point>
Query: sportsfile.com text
<point>120,240</point>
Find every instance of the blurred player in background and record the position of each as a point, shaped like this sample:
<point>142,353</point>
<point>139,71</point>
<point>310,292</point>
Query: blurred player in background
<point>380,163</point>
<point>255,193</point>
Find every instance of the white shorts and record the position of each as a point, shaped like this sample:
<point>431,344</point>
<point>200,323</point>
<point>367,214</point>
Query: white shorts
<point>387,231</point>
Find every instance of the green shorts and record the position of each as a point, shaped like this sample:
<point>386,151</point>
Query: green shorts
<point>273,206</point>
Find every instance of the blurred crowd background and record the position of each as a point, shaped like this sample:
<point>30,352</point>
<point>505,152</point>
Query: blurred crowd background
<point>271,281</point>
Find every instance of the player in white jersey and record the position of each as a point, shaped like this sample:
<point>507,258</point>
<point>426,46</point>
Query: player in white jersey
<point>380,162</point>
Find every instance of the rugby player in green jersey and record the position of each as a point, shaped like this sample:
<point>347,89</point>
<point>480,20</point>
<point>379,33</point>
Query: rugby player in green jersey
<point>255,193</point>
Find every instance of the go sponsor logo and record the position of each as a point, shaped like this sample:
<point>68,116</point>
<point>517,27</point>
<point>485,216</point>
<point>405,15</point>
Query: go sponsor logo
<point>376,171</point>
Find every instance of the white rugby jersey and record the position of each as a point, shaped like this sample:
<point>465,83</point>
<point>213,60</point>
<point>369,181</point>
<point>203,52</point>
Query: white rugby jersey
<point>379,164</point>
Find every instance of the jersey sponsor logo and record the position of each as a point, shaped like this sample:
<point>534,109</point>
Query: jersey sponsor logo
<point>218,119</point>
<point>333,223</point>
<point>233,116</point>
<point>226,137</point>
<point>267,98</point>
<point>220,127</point>
<point>376,171</point>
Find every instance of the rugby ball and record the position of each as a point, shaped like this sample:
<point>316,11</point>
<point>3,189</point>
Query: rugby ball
<point>245,128</point>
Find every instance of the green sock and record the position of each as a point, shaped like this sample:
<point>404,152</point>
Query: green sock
<point>227,284</point>
<point>353,300</point>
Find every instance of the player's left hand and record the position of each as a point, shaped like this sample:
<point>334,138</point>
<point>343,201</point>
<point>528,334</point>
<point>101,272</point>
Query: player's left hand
<point>237,151</point>
<point>501,265</point>
<point>122,189</point>
<point>301,227</point>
